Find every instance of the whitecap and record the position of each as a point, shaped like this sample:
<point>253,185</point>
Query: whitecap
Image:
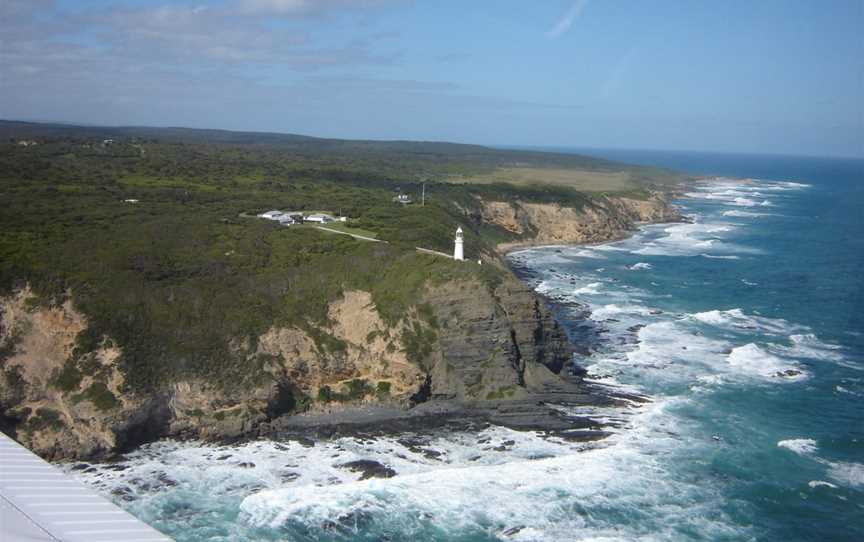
<point>589,289</point>
<point>848,474</point>
<point>604,312</point>
<point>743,214</point>
<point>751,359</point>
<point>744,202</point>
<point>736,319</point>
<point>585,253</point>
<point>639,265</point>
<point>553,498</point>
<point>721,257</point>
<point>801,446</point>
<point>820,483</point>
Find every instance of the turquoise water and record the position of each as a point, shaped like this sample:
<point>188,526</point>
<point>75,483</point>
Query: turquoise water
<point>745,330</point>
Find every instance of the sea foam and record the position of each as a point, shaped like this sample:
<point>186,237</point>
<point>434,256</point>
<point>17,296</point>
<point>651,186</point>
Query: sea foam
<point>801,446</point>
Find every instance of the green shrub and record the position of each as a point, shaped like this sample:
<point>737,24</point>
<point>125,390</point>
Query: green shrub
<point>99,394</point>
<point>382,390</point>
<point>68,378</point>
<point>46,417</point>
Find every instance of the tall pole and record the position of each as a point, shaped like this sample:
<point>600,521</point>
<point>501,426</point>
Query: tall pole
<point>423,204</point>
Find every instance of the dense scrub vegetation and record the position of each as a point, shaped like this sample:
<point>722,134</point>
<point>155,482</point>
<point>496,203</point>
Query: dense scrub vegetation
<point>184,280</point>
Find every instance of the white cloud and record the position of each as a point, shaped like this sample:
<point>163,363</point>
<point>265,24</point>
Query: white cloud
<point>566,21</point>
<point>305,7</point>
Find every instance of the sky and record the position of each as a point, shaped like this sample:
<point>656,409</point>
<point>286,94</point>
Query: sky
<point>733,76</point>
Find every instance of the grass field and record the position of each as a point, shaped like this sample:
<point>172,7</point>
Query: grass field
<point>583,180</point>
<point>347,228</point>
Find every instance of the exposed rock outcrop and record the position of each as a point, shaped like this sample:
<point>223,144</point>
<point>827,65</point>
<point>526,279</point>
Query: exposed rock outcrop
<point>603,219</point>
<point>464,341</point>
<point>62,401</point>
<point>494,345</point>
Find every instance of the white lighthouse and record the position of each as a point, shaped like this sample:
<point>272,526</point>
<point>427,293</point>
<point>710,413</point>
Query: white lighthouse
<point>458,253</point>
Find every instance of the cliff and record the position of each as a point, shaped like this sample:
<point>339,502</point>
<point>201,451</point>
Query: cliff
<point>600,219</point>
<point>465,341</point>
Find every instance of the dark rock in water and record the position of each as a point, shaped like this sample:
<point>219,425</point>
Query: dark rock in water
<point>124,493</point>
<point>655,312</point>
<point>504,446</point>
<point>369,468</point>
<point>80,466</point>
<point>223,457</point>
<point>117,467</point>
<point>305,442</point>
<point>512,530</point>
<point>246,465</point>
<point>289,476</point>
<point>166,481</point>
<point>534,457</point>
<point>634,329</point>
<point>583,435</point>
<point>329,526</point>
<point>431,454</point>
<point>787,373</point>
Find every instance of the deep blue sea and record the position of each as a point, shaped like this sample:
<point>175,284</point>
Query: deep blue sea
<point>767,282</point>
<point>746,330</point>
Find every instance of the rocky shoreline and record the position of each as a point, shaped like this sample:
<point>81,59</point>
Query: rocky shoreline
<point>540,410</point>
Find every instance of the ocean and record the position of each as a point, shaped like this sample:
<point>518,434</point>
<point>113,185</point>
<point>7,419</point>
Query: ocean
<point>744,328</point>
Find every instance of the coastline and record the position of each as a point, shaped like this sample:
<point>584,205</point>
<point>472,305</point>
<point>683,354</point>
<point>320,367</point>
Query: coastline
<point>535,412</point>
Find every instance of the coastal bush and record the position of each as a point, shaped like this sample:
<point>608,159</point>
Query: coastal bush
<point>382,390</point>
<point>101,397</point>
<point>67,378</point>
<point>46,417</point>
<point>351,390</point>
<point>184,281</point>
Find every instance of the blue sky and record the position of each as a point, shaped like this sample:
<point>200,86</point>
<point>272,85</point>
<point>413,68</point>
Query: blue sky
<point>766,76</point>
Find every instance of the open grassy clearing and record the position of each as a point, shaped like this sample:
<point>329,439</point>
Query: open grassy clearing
<point>347,228</point>
<point>588,181</point>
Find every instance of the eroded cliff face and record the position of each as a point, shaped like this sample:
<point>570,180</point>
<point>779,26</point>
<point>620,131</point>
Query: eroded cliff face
<point>57,410</point>
<point>494,345</point>
<point>605,218</point>
<point>462,341</point>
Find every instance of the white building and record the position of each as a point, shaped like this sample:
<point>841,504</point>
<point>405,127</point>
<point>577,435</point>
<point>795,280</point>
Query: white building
<point>458,249</point>
<point>320,218</point>
<point>272,215</point>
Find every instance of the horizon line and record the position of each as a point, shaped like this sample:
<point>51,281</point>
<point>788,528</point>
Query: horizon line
<point>504,146</point>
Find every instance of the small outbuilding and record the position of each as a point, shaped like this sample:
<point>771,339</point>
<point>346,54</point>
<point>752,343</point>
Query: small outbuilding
<point>320,218</point>
<point>272,215</point>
